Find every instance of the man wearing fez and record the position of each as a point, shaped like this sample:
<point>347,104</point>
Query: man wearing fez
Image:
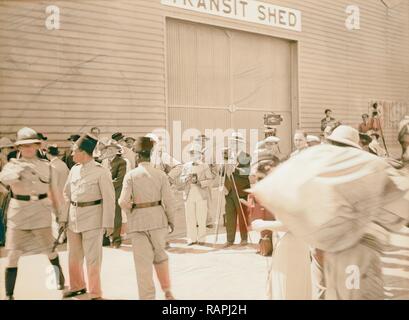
<point>29,215</point>
<point>67,157</point>
<point>90,196</point>
<point>150,206</point>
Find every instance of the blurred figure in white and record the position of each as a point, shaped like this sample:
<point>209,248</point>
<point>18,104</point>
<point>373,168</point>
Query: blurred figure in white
<point>300,142</point>
<point>197,178</point>
<point>344,202</point>
<point>313,140</point>
<point>375,147</point>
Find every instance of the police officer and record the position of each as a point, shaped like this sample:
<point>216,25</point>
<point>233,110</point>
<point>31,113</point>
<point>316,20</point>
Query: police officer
<point>91,197</point>
<point>29,214</point>
<point>67,157</point>
<point>147,198</point>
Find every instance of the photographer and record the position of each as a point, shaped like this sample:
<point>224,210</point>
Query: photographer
<point>197,177</point>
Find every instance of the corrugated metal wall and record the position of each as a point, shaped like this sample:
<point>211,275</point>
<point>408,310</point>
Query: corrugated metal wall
<point>106,66</point>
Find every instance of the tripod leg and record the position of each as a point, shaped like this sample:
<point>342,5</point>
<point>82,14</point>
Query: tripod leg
<point>219,202</point>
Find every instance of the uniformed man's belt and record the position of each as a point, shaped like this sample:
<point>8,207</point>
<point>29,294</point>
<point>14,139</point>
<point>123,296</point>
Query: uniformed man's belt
<point>146,205</point>
<point>29,198</point>
<point>86,204</point>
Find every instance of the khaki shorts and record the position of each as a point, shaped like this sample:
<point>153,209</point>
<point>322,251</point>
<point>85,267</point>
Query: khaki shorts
<point>30,241</point>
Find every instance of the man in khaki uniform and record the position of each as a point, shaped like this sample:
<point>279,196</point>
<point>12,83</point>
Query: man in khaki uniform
<point>29,214</point>
<point>147,198</point>
<point>91,197</point>
<point>60,177</point>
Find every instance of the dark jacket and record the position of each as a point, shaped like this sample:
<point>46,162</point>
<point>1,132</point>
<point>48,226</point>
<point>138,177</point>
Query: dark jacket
<point>118,171</point>
<point>240,176</point>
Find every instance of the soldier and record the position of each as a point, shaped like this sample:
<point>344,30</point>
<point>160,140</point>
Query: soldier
<point>91,197</point>
<point>6,146</point>
<point>197,177</point>
<point>67,157</point>
<point>127,153</point>
<point>112,159</point>
<point>147,198</point>
<point>42,152</point>
<point>237,181</point>
<point>29,214</point>
<point>61,172</point>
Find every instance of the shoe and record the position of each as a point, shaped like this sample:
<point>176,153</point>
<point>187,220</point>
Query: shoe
<point>191,244</point>
<point>106,242</point>
<point>97,298</point>
<point>9,298</point>
<point>244,243</point>
<point>228,244</point>
<point>117,244</point>
<point>210,226</point>
<point>201,243</point>
<point>71,294</point>
<point>169,296</point>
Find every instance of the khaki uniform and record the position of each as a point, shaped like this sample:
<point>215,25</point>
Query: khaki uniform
<point>86,183</point>
<point>147,227</point>
<point>196,198</point>
<point>29,222</point>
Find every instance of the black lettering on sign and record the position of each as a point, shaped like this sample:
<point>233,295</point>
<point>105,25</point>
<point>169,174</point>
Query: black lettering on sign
<point>262,14</point>
<point>281,19</point>
<point>273,15</point>
<point>244,4</point>
<point>292,19</point>
<point>185,2</point>
<point>215,4</point>
<point>227,6</point>
<point>201,3</point>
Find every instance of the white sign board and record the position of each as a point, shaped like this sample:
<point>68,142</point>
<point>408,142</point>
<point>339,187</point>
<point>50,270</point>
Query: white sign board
<point>244,10</point>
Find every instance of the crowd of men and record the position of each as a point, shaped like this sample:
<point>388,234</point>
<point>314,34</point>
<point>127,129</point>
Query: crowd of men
<point>99,185</point>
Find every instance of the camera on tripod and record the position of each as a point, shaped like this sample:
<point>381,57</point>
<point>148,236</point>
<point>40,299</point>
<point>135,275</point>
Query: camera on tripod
<point>375,111</point>
<point>272,119</point>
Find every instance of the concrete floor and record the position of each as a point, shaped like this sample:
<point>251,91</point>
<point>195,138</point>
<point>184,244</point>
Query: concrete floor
<point>198,272</point>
